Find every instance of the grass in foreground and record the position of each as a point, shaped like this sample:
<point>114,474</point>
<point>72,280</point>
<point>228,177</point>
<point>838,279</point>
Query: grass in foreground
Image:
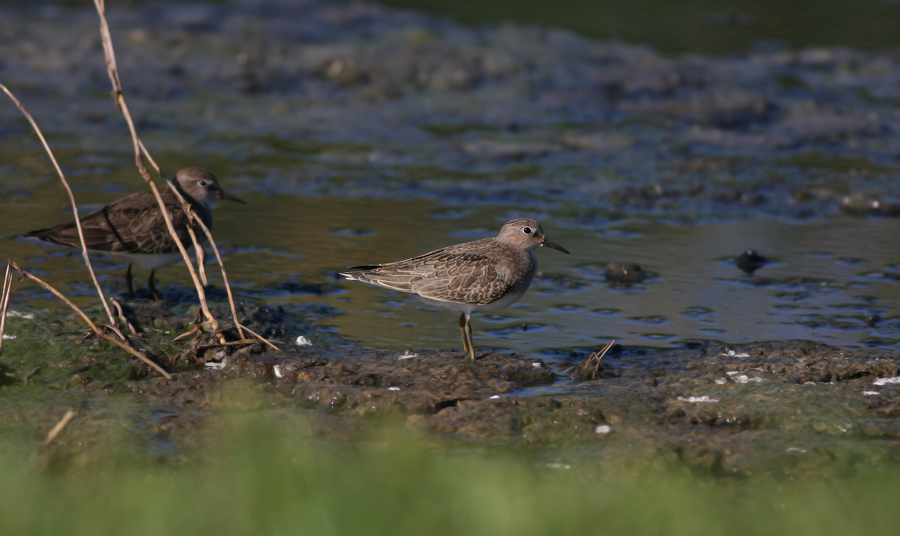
<point>259,481</point>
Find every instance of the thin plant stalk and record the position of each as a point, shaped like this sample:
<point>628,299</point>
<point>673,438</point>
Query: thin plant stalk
<point>193,218</point>
<point>97,331</point>
<point>58,428</point>
<point>593,362</point>
<point>198,249</point>
<point>212,242</point>
<point>4,300</point>
<point>261,338</point>
<point>184,206</point>
<point>201,257</point>
<point>237,324</point>
<point>84,250</point>
<point>119,98</point>
<point>122,316</point>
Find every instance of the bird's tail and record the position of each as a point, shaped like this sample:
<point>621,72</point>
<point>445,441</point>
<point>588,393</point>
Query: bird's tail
<point>358,273</point>
<point>42,234</point>
<point>64,235</point>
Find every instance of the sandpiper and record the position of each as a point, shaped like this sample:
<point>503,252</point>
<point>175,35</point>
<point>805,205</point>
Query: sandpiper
<point>133,229</point>
<point>472,277</point>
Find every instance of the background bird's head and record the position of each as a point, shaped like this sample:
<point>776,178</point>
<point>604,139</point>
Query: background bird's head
<point>201,186</point>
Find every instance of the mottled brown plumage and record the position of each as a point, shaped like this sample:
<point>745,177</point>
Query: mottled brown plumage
<point>134,229</point>
<point>471,277</point>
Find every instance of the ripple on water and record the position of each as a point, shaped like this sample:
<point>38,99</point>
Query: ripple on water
<point>557,284</point>
<point>515,330</point>
<point>878,276</point>
<point>656,337</point>
<point>606,312</point>
<point>286,288</point>
<point>652,320</point>
<point>567,308</point>
<point>353,233</point>
<point>697,312</point>
<point>450,213</point>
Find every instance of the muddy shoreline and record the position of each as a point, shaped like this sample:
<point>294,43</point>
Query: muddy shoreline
<point>761,409</point>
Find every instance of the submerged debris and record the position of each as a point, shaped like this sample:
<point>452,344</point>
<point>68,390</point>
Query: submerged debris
<point>590,368</point>
<point>750,261</point>
<point>625,274</point>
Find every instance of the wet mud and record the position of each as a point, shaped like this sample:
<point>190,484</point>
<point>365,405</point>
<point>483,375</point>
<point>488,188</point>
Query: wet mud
<point>761,409</point>
<point>367,121</point>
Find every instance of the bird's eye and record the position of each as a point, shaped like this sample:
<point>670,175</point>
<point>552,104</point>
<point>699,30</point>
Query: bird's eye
<point>201,182</point>
<point>527,230</point>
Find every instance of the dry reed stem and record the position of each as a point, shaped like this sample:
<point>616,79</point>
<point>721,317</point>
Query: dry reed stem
<point>193,218</point>
<point>122,316</point>
<point>115,329</point>
<point>97,331</point>
<point>212,242</point>
<point>84,250</point>
<point>593,362</point>
<point>198,250</point>
<point>201,257</point>
<point>260,337</point>
<point>119,97</point>
<point>4,300</point>
<point>56,430</point>
<point>186,334</point>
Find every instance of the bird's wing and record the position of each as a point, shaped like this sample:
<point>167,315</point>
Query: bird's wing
<point>133,224</point>
<point>448,274</point>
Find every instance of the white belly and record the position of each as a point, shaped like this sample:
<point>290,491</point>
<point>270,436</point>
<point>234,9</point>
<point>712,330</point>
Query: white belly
<point>470,308</point>
<point>144,260</point>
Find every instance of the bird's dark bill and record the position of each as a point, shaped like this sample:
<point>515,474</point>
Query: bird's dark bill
<point>231,197</point>
<point>550,244</point>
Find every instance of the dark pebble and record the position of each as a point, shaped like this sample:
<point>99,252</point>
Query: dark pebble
<point>625,273</point>
<point>750,261</point>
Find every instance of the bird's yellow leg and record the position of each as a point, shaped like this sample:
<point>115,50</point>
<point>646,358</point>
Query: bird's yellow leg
<point>128,282</point>
<point>468,336</point>
<point>151,283</point>
<point>462,329</point>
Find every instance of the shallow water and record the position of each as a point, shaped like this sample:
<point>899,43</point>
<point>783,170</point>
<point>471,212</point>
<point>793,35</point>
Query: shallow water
<point>828,279</point>
<point>677,165</point>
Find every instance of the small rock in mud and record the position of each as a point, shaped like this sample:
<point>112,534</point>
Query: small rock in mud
<point>750,261</point>
<point>625,274</point>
